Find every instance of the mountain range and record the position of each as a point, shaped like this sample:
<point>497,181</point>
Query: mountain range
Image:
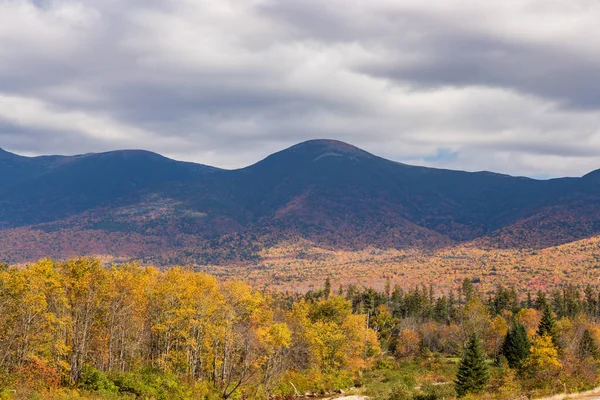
<point>140,205</point>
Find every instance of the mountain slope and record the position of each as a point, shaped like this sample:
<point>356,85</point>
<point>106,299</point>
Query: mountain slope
<point>51,188</point>
<point>136,204</point>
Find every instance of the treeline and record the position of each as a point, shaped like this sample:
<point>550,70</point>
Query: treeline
<point>177,334</point>
<point>170,334</point>
<point>537,343</point>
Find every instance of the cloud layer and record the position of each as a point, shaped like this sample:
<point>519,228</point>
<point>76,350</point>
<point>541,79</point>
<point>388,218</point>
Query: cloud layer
<point>506,86</point>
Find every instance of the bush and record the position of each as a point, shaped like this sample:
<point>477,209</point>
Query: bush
<point>430,391</point>
<point>38,375</point>
<point>152,384</point>
<point>385,363</point>
<point>400,392</point>
<point>95,380</point>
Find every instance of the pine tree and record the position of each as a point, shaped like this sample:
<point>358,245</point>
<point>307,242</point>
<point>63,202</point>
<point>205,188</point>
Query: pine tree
<point>468,289</point>
<point>327,288</point>
<point>587,346</point>
<point>541,303</point>
<point>473,373</point>
<point>516,346</point>
<point>547,326</point>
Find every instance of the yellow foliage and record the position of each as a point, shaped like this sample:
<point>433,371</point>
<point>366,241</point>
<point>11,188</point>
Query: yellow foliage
<point>543,364</point>
<point>530,319</point>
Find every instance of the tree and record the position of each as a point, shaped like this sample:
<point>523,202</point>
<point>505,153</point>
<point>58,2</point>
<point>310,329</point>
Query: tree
<point>547,326</point>
<point>516,346</point>
<point>530,319</point>
<point>473,373</point>
<point>496,334</point>
<point>587,346</point>
<point>84,281</point>
<point>408,343</point>
<point>476,317</point>
<point>468,290</point>
<point>541,303</point>
<point>504,383</point>
<point>327,288</point>
<point>542,365</point>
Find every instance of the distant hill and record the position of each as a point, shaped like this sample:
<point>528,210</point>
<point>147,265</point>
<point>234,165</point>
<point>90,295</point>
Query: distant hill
<point>140,205</point>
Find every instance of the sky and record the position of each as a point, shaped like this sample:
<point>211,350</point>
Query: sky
<point>508,86</point>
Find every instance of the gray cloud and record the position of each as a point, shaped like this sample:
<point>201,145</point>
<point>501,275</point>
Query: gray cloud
<point>509,87</point>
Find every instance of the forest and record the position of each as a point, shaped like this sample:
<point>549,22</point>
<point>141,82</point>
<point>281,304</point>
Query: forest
<point>78,329</point>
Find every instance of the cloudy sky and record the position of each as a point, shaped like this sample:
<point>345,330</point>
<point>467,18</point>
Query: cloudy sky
<point>510,86</point>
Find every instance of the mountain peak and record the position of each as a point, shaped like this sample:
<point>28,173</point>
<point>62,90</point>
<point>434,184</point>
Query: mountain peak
<point>318,149</point>
<point>306,153</point>
<point>327,145</point>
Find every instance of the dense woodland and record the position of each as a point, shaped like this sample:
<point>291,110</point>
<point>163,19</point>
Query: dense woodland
<point>77,329</point>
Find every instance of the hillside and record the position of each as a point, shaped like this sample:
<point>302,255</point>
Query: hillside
<point>139,205</point>
<point>302,266</point>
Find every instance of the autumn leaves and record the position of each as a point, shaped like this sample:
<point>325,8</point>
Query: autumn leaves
<point>67,317</point>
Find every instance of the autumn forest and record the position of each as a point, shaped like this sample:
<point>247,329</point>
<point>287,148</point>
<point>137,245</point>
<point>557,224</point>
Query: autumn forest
<point>78,329</point>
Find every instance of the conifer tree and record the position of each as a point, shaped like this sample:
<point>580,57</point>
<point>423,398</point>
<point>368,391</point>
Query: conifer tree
<point>473,373</point>
<point>327,288</point>
<point>541,303</point>
<point>547,326</point>
<point>587,346</point>
<point>516,346</point>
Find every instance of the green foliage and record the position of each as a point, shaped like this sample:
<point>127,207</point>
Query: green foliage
<point>401,392</point>
<point>473,374</point>
<point>151,384</point>
<point>385,363</point>
<point>504,383</point>
<point>431,391</point>
<point>516,346</point>
<point>95,380</point>
<point>547,326</point>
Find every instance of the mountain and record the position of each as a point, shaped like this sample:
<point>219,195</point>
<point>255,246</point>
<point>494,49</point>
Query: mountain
<point>42,189</point>
<point>137,204</point>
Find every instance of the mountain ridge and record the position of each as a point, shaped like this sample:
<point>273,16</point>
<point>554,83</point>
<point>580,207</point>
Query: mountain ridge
<point>323,143</point>
<point>325,191</point>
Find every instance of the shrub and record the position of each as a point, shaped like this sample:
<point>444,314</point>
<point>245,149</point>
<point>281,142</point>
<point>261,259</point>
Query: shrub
<point>95,380</point>
<point>38,375</point>
<point>152,384</point>
<point>385,363</point>
<point>431,391</point>
<point>400,392</point>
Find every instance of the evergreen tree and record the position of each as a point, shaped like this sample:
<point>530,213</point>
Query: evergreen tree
<point>440,311</point>
<point>473,373</point>
<point>468,290</point>
<point>541,303</point>
<point>591,301</point>
<point>529,303</point>
<point>547,326</point>
<point>558,302</point>
<point>516,346</point>
<point>587,346</point>
<point>327,288</point>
